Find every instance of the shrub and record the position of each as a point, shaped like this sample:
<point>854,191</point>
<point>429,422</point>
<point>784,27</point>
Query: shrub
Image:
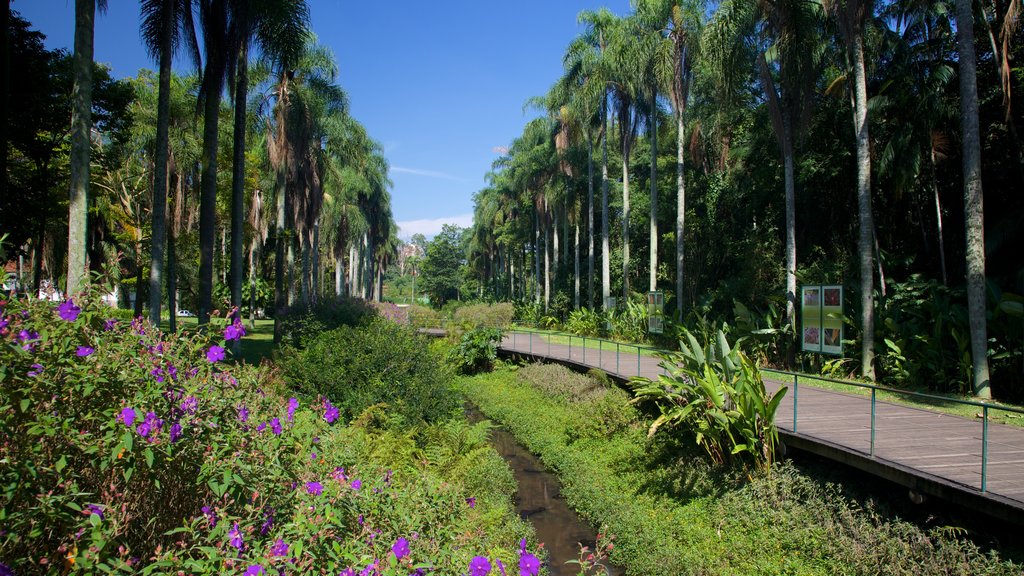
<point>128,452</point>
<point>484,316</point>
<point>586,322</point>
<point>527,312</point>
<point>380,362</point>
<point>423,317</point>
<point>303,323</point>
<point>561,383</point>
<point>476,351</point>
<point>390,311</point>
<point>629,324</point>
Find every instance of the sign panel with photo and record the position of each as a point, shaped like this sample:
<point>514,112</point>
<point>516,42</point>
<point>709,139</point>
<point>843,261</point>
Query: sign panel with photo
<point>821,311</point>
<point>655,312</point>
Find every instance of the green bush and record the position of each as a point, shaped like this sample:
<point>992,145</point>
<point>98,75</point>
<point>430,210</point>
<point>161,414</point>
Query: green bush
<point>304,323</point>
<point>380,362</point>
<point>484,316</point>
<point>476,351</point>
<point>586,322</point>
<point>561,383</point>
<point>129,451</point>
<point>423,317</point>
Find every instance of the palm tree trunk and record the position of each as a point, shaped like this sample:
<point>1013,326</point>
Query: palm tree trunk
<point>865,244</point>
<point>606,277</point>
<point>790,265</point>
<point>653,275</point>
<point>306,257</point>
<point>81,128</point>
<point>590,221</point>
<point>252,284</point>
<point>938,221</point>
<point>238,182</point>
<point>163,116</point>
<point>316,261</point>
<point>625,223</point>
<point>172,281</point>
<point>536,258</point>
<point>339,273</point>
<point>548,232</point>
<point>974,214</point>
<point>280,303</point>
<point>208,203</point>
<point>680,213</point>
<point>576,268</point>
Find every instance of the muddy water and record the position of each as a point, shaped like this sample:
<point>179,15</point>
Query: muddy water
<point>539,500</point>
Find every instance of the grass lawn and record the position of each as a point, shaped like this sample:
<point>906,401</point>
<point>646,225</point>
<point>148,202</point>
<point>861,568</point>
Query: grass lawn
<point>257,344</point>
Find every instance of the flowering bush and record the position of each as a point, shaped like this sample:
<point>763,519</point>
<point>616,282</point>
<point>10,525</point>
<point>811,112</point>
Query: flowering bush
<point>305,322</point>
<point>128,450</point>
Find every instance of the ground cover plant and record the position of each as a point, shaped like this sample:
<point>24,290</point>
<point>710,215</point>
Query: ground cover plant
<point>675,512</point>
<point>127,450</point>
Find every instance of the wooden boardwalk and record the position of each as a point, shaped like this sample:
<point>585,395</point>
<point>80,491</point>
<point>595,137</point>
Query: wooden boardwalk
<point>928,452</point>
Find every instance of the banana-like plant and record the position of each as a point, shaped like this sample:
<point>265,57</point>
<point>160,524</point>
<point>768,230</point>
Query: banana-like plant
<point>717,392</point>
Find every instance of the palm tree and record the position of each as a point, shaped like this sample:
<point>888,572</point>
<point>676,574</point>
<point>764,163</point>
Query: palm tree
<point>974,215</point>
<point>278,27</point>
<point>214,19</point>
<point>850,15</point>
<point>599,25</point>
<point>165,25</point>
<point>81,129</point>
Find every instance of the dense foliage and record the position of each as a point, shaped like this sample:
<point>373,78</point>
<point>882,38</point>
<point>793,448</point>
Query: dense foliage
<point>128,450</point>
<point>380,362</point>
<point>673,513</point>
<point>475,351</point>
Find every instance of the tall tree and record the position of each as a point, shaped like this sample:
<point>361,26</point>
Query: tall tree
<point>81,138</point>
<point>974,213</point>
<point>165,25</point>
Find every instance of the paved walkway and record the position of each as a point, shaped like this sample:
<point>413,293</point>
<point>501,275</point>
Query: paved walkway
<point>930,452</point>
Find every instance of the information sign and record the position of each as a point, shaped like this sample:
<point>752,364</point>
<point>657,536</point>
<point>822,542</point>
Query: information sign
<point>821,311</point>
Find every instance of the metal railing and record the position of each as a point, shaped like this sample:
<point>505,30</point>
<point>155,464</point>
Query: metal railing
<point>544,337</point>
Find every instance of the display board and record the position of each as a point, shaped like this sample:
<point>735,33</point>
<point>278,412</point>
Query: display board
<point>821,311</point>
<point>655,312</point>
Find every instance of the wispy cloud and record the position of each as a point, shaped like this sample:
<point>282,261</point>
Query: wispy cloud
<point>427,173</point>
<point>430,227</point>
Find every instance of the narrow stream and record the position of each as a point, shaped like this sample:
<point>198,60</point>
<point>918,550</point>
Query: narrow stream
<point>539,500</point>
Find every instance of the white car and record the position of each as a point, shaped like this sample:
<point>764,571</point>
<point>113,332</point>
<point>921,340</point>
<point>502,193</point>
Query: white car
<point>186,313</point>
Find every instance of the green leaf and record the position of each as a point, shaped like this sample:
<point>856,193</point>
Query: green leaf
<point>148,454</point>
<point>24,404</point>
<point>61,464</point>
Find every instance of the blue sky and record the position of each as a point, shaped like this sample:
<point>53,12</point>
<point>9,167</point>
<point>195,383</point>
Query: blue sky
<point>440,84</point>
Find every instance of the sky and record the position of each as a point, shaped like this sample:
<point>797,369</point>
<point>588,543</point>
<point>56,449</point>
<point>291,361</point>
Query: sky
<point>441,85</point>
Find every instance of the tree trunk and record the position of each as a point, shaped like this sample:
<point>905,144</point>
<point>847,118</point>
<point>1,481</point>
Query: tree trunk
<point>252,284</point>
<point>938,221</point>
<point>172,270</point>
<point>547,230</point>
<point>590,220</point>
<point>280,302</point>
<point>140,275</point>
<point>163,116</point>
<point>208,203</point>
<point>5,92</point>
<point>606,284</point>
<point>654,199</point>
<point>536,258</point>
<point>974,215</point>
<point>865,244</point>
<point>81,128</point>
<point>790,270</point>
<point>339,273</point>
<point>680,213</point>
<point>576,268</point>
<point>625,223</point>
<point>238,184</point>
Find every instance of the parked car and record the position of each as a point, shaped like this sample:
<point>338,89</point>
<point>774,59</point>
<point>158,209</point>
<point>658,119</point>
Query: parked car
<point>185,312</point>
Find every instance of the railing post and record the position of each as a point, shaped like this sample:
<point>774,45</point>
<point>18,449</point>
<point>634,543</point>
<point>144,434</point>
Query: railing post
<point>637,360</point>
<point>617,358</point>
<point>796,393</point>
<point>984,447</point>
<point>549,345</point>
<point>513,340</point>
<point>584,350</point>
<point>570,347</point>
<point>531,343</point>
<point>873,395</point>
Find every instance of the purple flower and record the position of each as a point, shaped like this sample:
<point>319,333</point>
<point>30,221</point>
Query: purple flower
<point>479,566</point>
<point>243,414</point>
<point>95,509</point>
<point>262,426</point>
<point>158,374</point>
<point>128,416</point>
<point>109,325</point>
<point>144,429</point>
<point>175,432</point>
<point>254,570</point>
<point>234,331</point>
<point>471,501</point>
<point>501,567</point>
<point>36,370</point>
<point>235,537</point>
<point>280,548</point>
<point>268,521</point>
<point>348,572</point>
<point>529,565</point>
<point>189,405</point>
<point>330,412</point>
<point>210,515</point>
<point>357,484</point>
<point>293,404</point>
<point>400,548</point>
<point>275,426</point>
<point>214,354</point>
<point>5,570</point>
<point>27,339</point>
<point>68,311</point>
<point>370,569</point>
<point>314,488</point>
<point>84,351</point>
